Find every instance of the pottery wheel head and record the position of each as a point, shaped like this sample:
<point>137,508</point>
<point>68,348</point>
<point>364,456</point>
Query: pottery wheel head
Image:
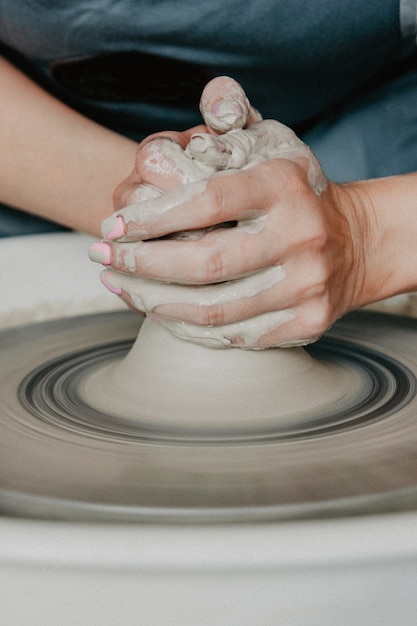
<point>210,436</point>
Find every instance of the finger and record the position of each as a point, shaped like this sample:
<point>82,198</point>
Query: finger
<point>156,296</point>
<point>231,196</point>
<point>140,193</point>
<point>286,328</point>
<point>162,163</point>
<point>254,116</point>
<point>274,288</point>
<point>216,256</point>
<point>305,279</point>
<point>224,105</point>
<point>130,190</point>
<point>180,137</point>
<point>310,321</point>
<point>243,148</point>
<point>246,334</point>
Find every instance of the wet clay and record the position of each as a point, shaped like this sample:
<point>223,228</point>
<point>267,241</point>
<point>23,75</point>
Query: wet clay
<point>170,383</point>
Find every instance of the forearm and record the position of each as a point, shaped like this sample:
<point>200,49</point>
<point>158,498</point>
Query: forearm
<point>54,162</point>
<point>384,211</point>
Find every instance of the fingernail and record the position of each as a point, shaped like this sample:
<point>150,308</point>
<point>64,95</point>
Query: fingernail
<point>114,227</point>
<point>100,252</point>
<point>230,113</point>
<point>222,107</point>
<point>105,280</point>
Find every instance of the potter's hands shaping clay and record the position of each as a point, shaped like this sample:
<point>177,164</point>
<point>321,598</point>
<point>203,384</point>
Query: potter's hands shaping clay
<point>280,277</point>
<point>161,163</point>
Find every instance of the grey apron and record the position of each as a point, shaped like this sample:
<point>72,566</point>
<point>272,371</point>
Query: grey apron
<point>340,72</point>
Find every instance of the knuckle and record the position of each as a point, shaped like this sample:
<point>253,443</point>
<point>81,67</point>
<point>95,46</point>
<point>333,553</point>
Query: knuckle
<point>149,157</point>
<point>210,316</point>
<point>215,266</point>
<point>319,236</point>
<point>212,267</point>
<point>319,282</point>
<point>217,196</point>
<point>317,318</point>
<point>316,279</point>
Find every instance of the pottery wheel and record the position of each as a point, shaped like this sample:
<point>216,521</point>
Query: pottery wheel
<point>62,459</point>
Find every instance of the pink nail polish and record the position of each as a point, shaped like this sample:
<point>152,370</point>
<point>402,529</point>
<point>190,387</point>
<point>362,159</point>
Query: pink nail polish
<point>115,290</point>
<point>118,229</point>
<point>100,252</point>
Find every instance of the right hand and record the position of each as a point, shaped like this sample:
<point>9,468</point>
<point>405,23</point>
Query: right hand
<point>288,286</point>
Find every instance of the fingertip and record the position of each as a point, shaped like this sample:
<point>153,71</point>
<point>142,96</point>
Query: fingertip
<point>107,280</point>
<point>100,252</point>
<point>224,104</point>
<point>113,227</point>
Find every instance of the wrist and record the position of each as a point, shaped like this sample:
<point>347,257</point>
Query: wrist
<point>382,215</point>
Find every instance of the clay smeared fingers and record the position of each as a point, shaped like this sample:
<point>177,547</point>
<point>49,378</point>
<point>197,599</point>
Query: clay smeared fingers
<point>245,334</point>
<point>163,163</point>
<point>210,259</point>
<point>180,137</point>
<point>127,191</point>
<point>285,328</point>
<point>224,197</point>
<point>266,291</point>
<point>217,256</point>
<point>244,148</point>
<point>256,240</point>
<point>224,105</point>
<point>310,321</point>
<point>203,304</point>
<point>281,328</point>
<point>140,193</point>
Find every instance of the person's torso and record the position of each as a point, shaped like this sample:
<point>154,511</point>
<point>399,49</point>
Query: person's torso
<point>139,65</point>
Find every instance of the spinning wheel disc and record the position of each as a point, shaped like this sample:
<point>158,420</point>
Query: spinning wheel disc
<point>59,458</point>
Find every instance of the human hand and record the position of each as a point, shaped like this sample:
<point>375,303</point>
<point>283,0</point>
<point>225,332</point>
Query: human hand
<point>161,163</point>
<point>285,272</point>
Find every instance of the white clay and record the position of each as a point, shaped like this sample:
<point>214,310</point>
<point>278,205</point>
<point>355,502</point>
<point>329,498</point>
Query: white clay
<point>169,383</point>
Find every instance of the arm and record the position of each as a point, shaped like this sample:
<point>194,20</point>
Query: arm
<point>386,229</point>
<point>55,163</point>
